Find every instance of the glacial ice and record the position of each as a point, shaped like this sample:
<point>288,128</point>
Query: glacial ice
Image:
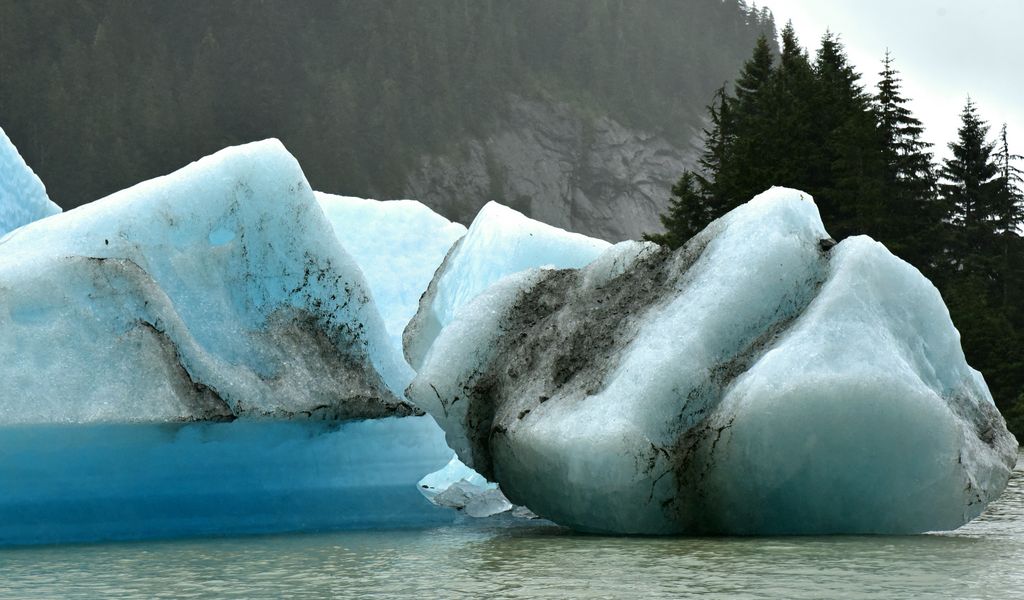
<point>475,502</point>
<point>455,471</point>
<point>73,483</point>
<point>500,242</point>
<point>398,244</point>
<point>22,195</point>
<point>459,487</point>
<point>216,292</point>
<point>756,381</point>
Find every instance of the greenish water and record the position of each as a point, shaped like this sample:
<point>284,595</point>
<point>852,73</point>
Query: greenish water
<point>523,559</point>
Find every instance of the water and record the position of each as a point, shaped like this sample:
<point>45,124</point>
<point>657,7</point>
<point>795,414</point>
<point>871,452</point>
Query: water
<point>530,559</point>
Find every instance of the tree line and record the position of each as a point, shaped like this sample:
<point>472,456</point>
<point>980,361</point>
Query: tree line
<point>808,123</point>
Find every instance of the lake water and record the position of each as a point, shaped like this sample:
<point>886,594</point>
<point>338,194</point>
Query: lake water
<point>531,559</point>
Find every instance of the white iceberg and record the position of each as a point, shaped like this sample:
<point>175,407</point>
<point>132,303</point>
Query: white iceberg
<point>500,242</point>
<point>756,381</point>
<point>23,198</point>
<point>216,292</point>
<point>398,244</point>
<point>459,487</point>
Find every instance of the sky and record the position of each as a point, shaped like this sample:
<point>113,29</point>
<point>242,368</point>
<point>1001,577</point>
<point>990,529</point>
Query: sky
<point>943,49</point>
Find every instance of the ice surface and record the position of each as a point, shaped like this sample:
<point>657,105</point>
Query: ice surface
<point>459,487</point>
<point>22,196</point>
<point>751,382</point>
<point>453,472</point>
<point>216,292</point>
<point>398,244</point>
<point>870,382</point>
<point>69,483</point>
<point>500,242</point>
<point>475,502</point>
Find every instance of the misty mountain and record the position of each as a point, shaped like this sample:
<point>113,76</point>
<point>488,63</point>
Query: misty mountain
<point>580,113</point>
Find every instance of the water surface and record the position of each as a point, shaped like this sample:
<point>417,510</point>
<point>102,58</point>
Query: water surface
<point>531,559</point>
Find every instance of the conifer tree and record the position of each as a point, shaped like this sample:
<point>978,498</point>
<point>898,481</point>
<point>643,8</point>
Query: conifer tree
<point>970,186</point>
<point>756,73</point>
<point>913,223</point>
<point>789,128</point>
<point>1009,219</point>
<point>688,213</point>
<point>845,173</point>
<point>974,284</point>
<point>751,116</point>
<point>794,57</point>
<point>1009,206</point>
<point>715,158</point>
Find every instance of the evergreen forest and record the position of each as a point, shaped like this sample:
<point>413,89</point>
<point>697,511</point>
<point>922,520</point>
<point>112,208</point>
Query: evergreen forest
<point>101,94</point>
<point>808,122</point>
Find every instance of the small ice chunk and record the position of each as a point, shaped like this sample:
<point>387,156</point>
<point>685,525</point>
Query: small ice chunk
<point>474,501</point>
<point>459,487</point>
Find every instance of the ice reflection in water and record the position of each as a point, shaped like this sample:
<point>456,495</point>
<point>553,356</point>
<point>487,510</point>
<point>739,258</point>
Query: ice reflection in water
<point>982,560</point>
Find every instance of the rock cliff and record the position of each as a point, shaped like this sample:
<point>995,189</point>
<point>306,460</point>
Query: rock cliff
<point>584,173</point>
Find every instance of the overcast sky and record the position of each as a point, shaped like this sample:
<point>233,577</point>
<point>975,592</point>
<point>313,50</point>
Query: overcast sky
<point>944,50</point>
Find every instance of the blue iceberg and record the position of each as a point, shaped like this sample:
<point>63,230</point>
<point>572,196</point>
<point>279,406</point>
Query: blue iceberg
<point>198,354</point>
<point>74,483</point>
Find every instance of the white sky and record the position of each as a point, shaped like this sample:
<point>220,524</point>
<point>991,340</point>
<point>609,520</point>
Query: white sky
<point>943,49</point>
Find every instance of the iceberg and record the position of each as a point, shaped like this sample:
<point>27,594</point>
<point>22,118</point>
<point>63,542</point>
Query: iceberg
<point>199,355</point>
<point>216,292</point>
<point>82,483</point>
<point>500,242</point>
<point>459,487</point>
<point>23,198</point>
<point>759,380</point>
<point>398,244</point>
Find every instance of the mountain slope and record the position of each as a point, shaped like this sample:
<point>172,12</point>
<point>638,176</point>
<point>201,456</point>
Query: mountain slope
<point>380,98</point>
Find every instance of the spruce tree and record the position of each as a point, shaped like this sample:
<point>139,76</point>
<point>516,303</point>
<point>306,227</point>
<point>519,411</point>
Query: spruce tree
<point>756,73</point>
<point>975,282</point>
<point>1009,205</point>
<point>970,186</point>
<point>845,171</point>
<point>789,127</point>
<point>913,221</point>
<point>750,121</point>
<point>715,158</point>
<point>1009,211</point>
<point>688,213</point>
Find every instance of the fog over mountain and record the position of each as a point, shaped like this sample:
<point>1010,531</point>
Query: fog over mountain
<point>580,113</point>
